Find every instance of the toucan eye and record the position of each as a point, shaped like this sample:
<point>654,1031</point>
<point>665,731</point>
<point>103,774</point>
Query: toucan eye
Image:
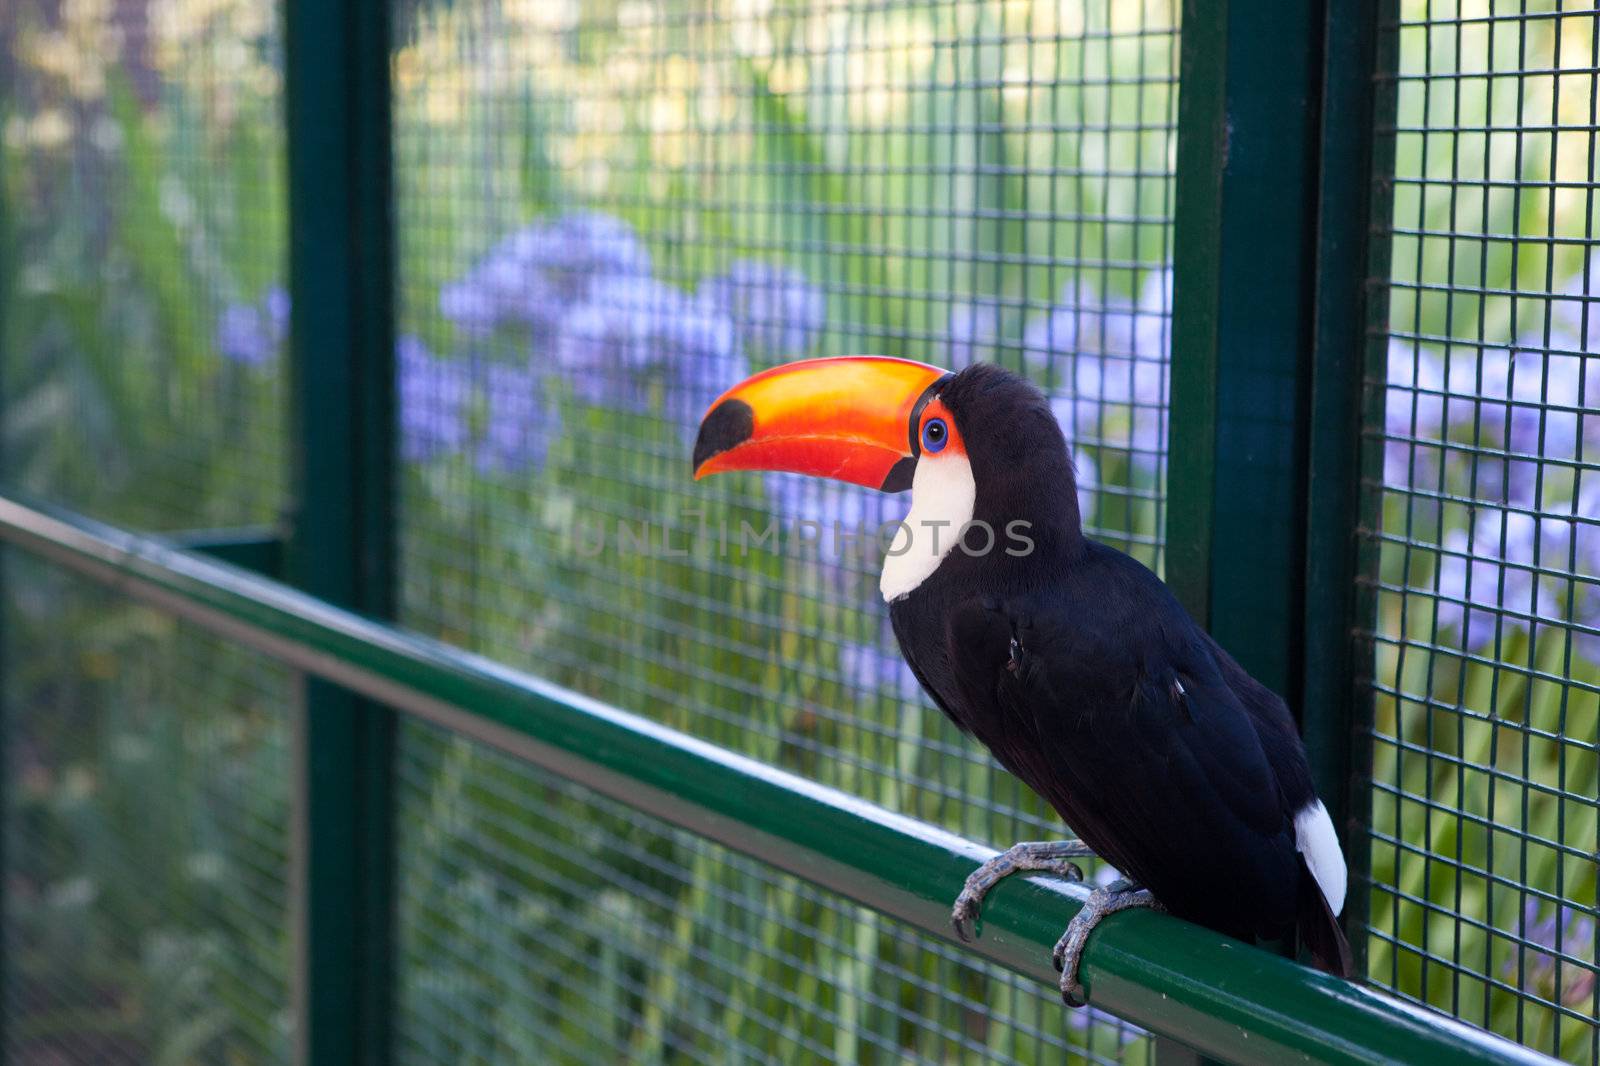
<point>934,435</point>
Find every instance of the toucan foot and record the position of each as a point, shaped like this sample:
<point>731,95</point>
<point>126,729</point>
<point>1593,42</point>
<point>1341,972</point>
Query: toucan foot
<point>1039,856</point>
<point>1119,895</point>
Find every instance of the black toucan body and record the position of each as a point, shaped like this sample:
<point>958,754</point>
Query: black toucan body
<point>1072,662</point>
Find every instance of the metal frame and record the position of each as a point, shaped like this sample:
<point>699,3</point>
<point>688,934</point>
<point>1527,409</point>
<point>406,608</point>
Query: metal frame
<point>1273,256</point>
<point>1363,598</point>
<point>341,548</point>
<point>1244,257</point>
<point>257,549</point>
<point>1350,309</point>
<point>6,954</point>
<point>1214,994</point>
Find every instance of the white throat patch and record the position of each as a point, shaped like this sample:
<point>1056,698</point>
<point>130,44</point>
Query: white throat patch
<point>942,499</point>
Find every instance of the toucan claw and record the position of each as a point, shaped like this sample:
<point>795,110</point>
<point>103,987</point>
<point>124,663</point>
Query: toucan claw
<point>1038,856</point>
<point>1119,895</point>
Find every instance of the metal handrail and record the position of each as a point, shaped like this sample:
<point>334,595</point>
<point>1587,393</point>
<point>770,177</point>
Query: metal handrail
<point>1217,995</point>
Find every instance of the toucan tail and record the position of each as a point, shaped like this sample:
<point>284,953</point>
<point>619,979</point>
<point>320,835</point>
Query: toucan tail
<point>1319,929</point>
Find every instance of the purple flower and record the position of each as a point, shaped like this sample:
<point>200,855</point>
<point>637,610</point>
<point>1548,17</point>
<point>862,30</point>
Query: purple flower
<point>793,496</point>
<point>632,331</point>
<point>433,396</point>
<point>1112,379</point>
<point>252,335</point>
<point>1576,313</point>
<point>1072,414</point>
<point>1553,380</point>
<point>1410,415</point>
<point>1575,543</point>
<point>519,424</point>
<point>535,274</point>
<point>1495,398</point>
<point>974,332</point>
<point>1512,562</point>
<point>1055,335</point>
<point>1114,357</point>
<point>776,310</point>
<point>848,520</point>
<point>589,244</point>
<point>1084,323</point>
<point>1447,390</point>
<point>1475,582</point>
<point>277,307</point>
<point>1478,399</point>
<point>1567,931</point>
<point>500,290</point>
<point>1079,418</point>
<point>698,381</point>
<point>1415,374</point>
<point>244,335</point>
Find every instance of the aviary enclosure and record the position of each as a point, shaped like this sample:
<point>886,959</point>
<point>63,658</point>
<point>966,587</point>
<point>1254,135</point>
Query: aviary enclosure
<point>416,307</point>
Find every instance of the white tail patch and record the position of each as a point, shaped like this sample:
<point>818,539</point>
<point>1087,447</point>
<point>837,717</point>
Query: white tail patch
<point>1315,839</point>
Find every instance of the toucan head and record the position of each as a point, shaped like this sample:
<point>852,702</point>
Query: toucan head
<point>981,444</point>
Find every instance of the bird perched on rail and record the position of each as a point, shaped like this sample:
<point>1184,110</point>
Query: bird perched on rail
<point>1071,661</point>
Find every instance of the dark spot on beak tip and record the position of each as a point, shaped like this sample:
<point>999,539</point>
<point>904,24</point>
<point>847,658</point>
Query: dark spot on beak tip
<point>726,426</point>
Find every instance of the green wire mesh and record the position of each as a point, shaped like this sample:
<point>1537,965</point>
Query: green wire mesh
<point>1483,504</point>
<point>607,214</point>
<point>540,922</point>
<point>142,321</point>
<point>142,258</point>
<point>146,824</point>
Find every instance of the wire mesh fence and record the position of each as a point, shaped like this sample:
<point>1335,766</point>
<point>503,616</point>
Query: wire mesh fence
<point>142,319</point>
<point>595,930</point>
<point>146,826</point>
<point>606,217</point>
<point>609,215</point>
<point>143,258</point>
<point>1484,833</point>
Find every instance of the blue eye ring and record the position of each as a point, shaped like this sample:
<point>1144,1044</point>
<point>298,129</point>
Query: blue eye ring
<point>935,435</point>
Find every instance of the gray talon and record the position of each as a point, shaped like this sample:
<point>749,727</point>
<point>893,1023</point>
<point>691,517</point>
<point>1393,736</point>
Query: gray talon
<point>1102,903</point>
<point>1046,856</point>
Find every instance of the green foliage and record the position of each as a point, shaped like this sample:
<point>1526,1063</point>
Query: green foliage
<point>146,834</point>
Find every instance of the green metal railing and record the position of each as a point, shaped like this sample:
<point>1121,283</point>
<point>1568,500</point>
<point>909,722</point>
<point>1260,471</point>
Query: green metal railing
<point>1213,994</point>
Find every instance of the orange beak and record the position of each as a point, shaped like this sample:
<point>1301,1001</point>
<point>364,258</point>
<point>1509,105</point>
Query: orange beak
<point>851,417</point>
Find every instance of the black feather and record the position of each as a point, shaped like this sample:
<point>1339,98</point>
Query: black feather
<point>1319,930</point>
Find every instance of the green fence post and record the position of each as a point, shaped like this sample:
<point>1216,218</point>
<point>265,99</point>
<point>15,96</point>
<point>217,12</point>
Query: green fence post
<point>1348,347</point>
<point>7,255</point>
<point>341,546</point>
<point>1270,339</point>
<point>1244,251</point>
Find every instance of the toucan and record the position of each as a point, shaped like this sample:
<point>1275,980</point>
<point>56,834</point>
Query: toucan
<point>1071,661</point>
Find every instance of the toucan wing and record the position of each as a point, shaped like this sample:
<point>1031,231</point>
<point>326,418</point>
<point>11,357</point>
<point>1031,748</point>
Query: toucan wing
<point>1116,712</point>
